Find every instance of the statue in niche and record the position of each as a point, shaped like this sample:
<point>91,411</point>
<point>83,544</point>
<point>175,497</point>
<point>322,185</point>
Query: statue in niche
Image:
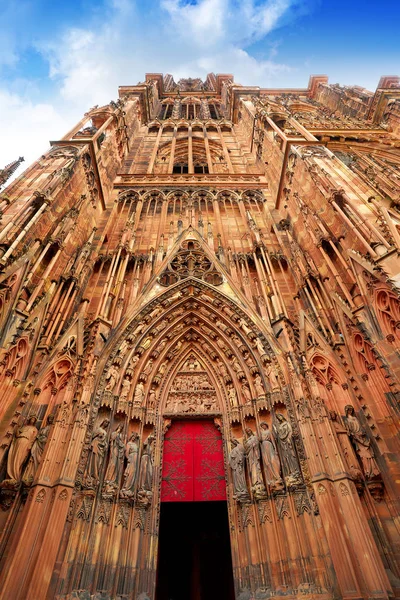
<point>177,348</point>
<point>220,342</point>
<point>139,394</point>
<point>246,392</point>
<point>252,449</point>
<point>155,312</point>
<point>138,329</point>
<point>221,325</point>
<point>162,325</point>
<point>236,365</point>
<point>147,368</point>
<point>260,346</point>
<point>115,464</point>
<point>270,457</point>
<point>21,444</point>
<point>134,361</point>
<point>343,437</point>
<point>160,346</point>
<point>284,435</point>
<point>361,443</point>
<point>232,396</point>
<point>124,393</point>
<point>37,450</point>
<point>111,378</point>
<point>237,460</point>
<point>223,371</point>
<point>245,327</point>
<point>162,368</point>
<point>146,343</point>
<point>152,398</point>
<point>146,470</point>
<point>271,375</point>
<point>132,456</point>
<point>259,386</point>
<point>97,451</point>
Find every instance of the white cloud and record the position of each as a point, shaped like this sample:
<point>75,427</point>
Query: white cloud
<point>119,45</point>
<point>27,127</point>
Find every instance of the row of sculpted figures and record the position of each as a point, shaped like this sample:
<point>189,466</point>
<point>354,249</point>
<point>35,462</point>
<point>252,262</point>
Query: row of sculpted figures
<point>125,464</point>
<point>267,467</point>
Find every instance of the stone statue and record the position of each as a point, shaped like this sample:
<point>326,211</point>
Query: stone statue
<point>111,378</point>
<point>349,453</point>
<point>236,365</point>
<point>271,375</point>
<point>361,443</point>
<point>284,435</point>
<point>37,450</point>
<point>246,392</point>
<point>232,396</point>
<point>117,449</point>
<point>152,398</point>
<point>162,367</point>
<point>148,368</point>
<point>260,346</point>
<point>97,450</point>
<point>146,466</point>
<point>252,449</point>
<point>259,386</point>
<point>245,327</point>
<point>270,457</point>
<point>22,442</point>
<point>237,464</point>
<point>139,394</point>
<point>222,368</point>
<point>124,393</point>
<point>132,455</point>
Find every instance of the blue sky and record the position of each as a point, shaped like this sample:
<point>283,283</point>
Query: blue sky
<point>58,59</point>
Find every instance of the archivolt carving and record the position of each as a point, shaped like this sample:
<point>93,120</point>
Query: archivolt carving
<point>142,340</point>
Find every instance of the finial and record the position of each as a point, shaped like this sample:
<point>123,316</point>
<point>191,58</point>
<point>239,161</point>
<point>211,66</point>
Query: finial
<point>8,170</point>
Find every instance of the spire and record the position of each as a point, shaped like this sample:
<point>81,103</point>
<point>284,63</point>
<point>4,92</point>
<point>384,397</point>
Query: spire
<point>8,170</point>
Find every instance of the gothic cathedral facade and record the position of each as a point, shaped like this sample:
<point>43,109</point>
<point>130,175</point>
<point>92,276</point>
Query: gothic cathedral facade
<point>200,336</point>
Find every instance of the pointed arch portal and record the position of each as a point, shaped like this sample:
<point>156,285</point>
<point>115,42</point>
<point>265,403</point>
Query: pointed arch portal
<point>193,463</point>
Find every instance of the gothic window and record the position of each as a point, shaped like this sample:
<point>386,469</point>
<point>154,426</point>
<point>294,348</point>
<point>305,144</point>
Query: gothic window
<point>388,311</point>
<point>190,262</point>
<point>181,168</point>
<point>213,111</point>
<point>200,168</point>
<point>165,111</point>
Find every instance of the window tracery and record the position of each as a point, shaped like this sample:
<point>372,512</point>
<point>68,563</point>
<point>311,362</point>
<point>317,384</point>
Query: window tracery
<point>190,262</point>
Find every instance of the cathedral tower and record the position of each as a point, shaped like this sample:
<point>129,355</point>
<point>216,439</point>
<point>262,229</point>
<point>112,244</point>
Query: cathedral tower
<point>200,335</point>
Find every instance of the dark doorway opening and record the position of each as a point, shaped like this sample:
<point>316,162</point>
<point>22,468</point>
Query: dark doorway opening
<point>194,561</point>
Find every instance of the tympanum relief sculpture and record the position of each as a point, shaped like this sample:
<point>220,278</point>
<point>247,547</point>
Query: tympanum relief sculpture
<point>192,392</point>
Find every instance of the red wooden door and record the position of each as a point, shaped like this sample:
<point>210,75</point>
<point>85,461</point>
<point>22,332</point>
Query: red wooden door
<point>193,463</point>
